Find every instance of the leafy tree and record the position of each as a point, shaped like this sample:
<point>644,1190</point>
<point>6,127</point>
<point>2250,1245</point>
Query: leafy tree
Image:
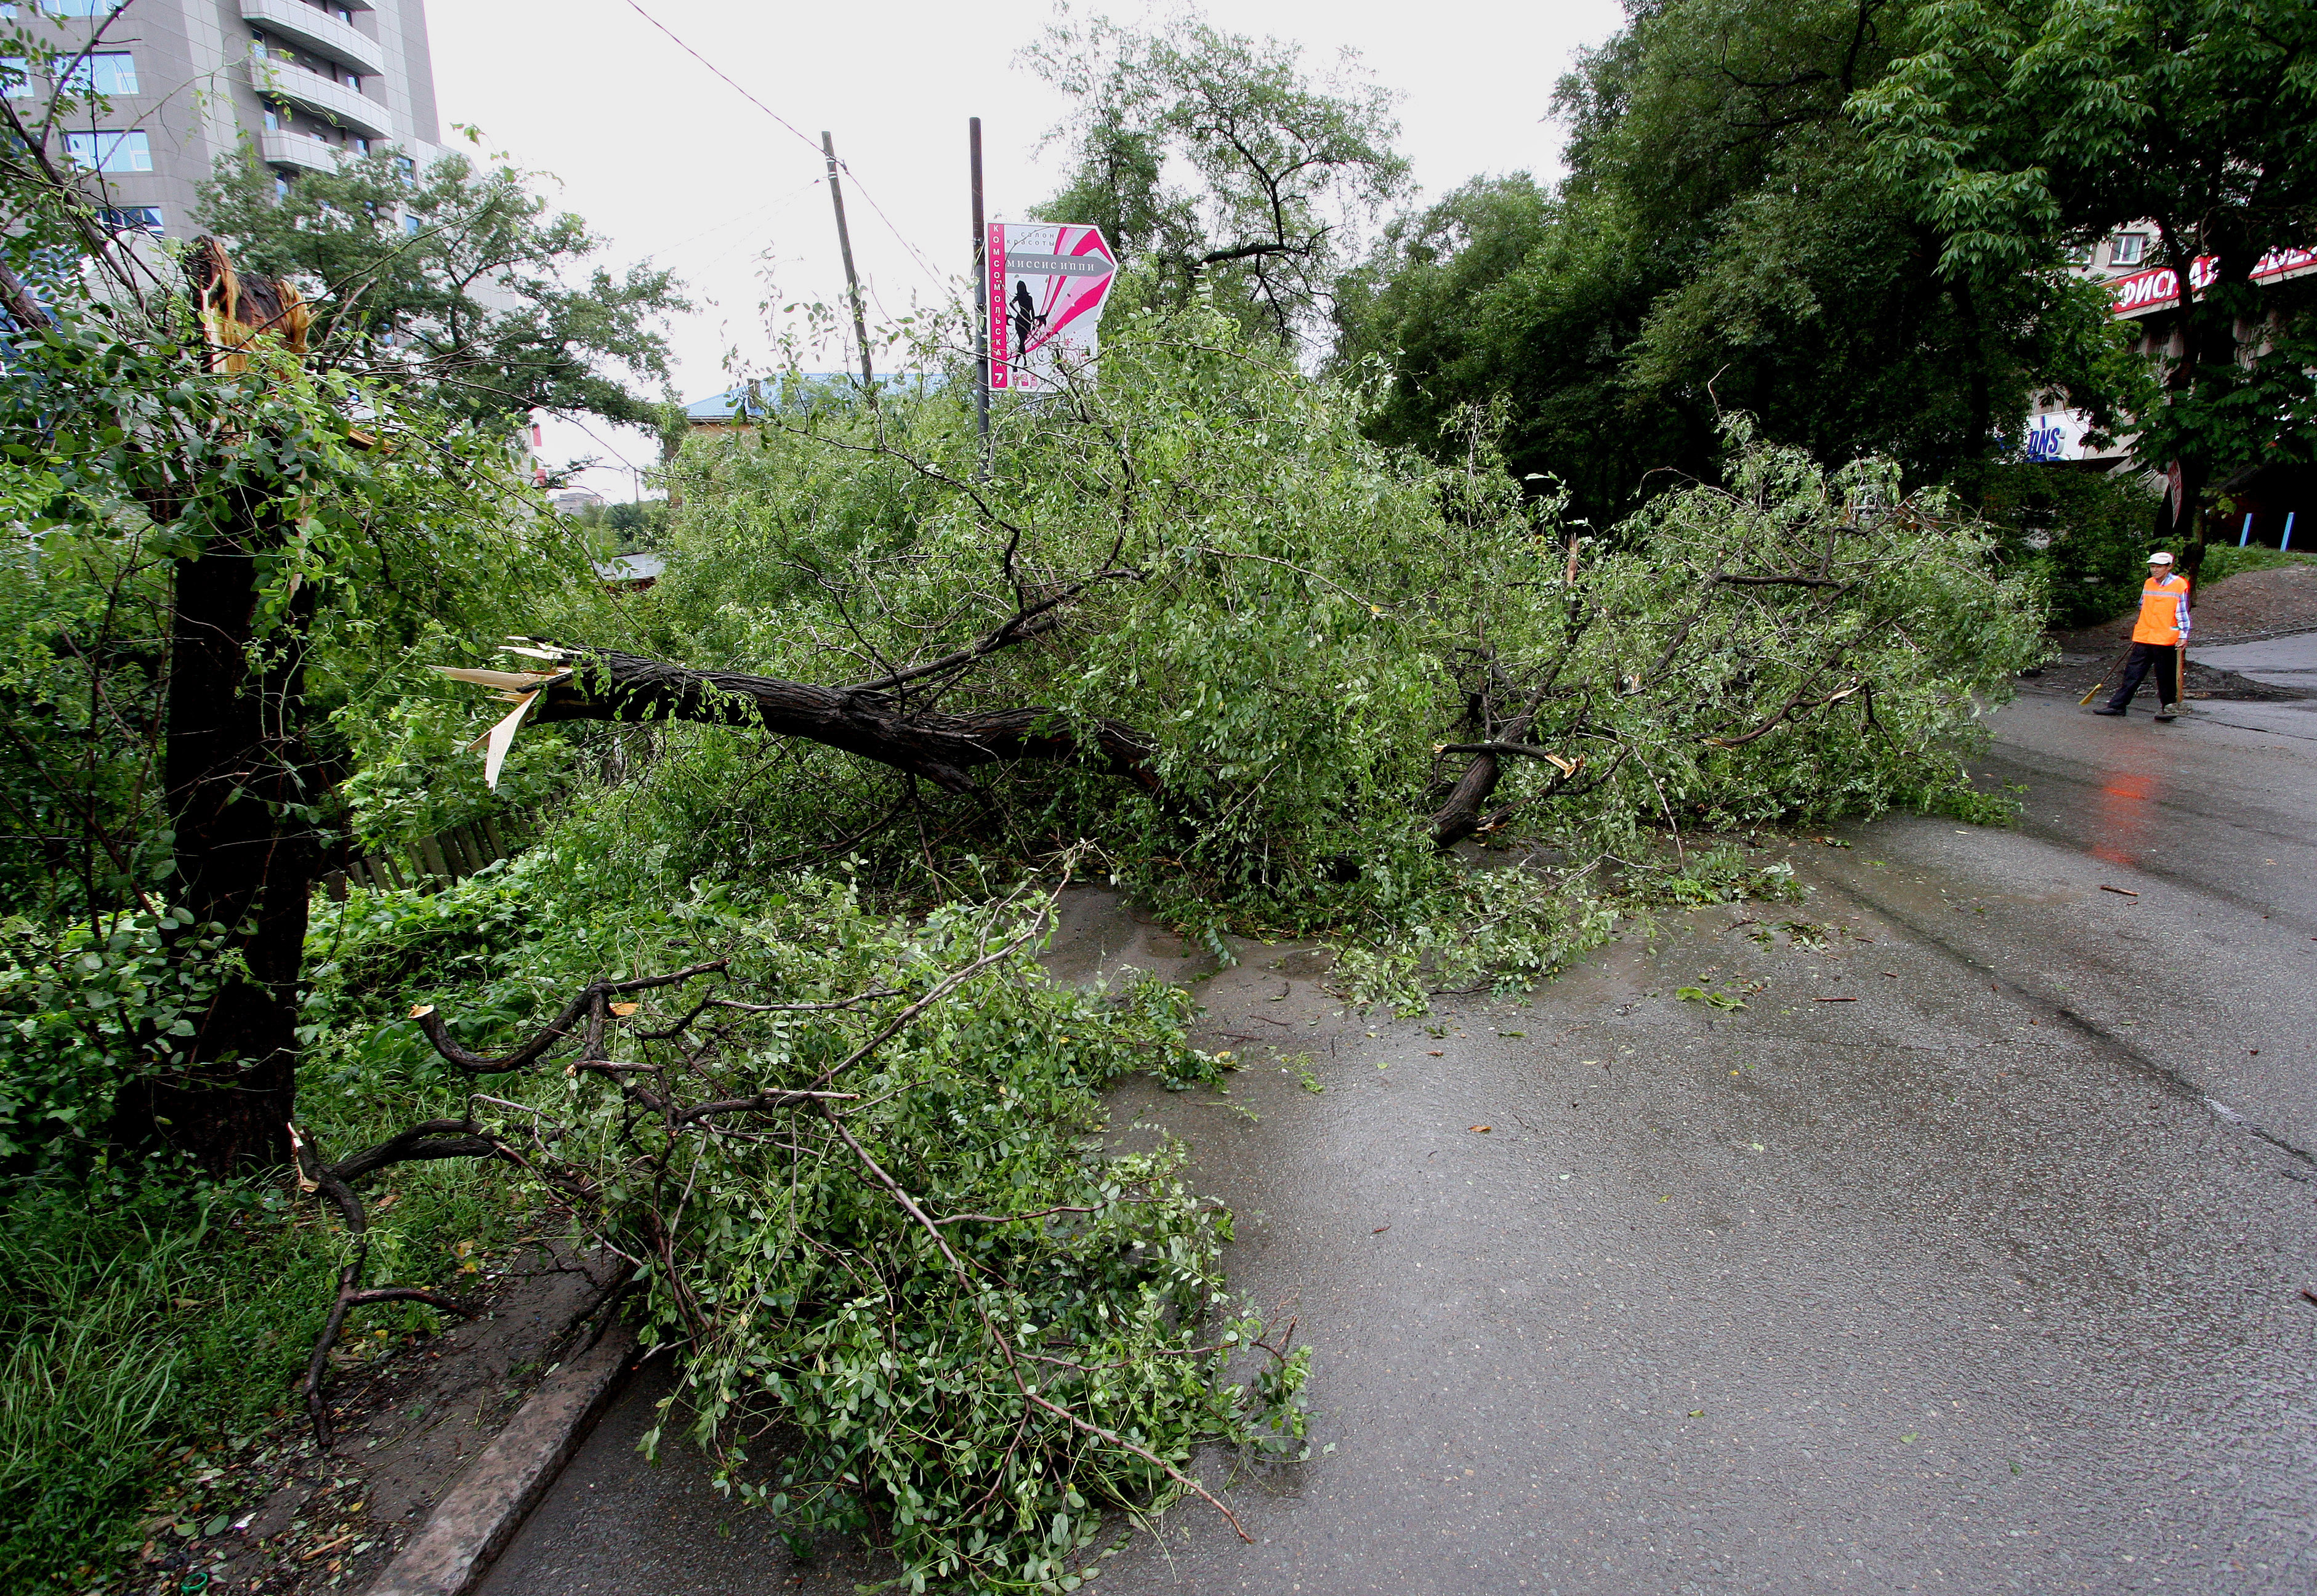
<point>456,276</point>
<point>1505,301</point>
<point>2020,126</point>
<point>1279,168</point>
<point>625,527</point>
<point>1718,245</point>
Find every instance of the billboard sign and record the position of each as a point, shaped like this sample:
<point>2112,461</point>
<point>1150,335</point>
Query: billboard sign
<point>2160,287</point>
<point>1047,285</point>
<point>2055,435</point>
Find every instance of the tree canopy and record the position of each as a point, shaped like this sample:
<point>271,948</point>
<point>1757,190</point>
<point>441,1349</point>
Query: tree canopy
<point>1721,242</point>
<point>2020,127</point>
<point>458,276</point>
<point>1279,168</point>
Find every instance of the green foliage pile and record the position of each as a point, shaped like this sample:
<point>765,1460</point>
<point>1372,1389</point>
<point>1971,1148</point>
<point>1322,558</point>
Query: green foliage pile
<point>792,1284</point>
<point>1298,622</point>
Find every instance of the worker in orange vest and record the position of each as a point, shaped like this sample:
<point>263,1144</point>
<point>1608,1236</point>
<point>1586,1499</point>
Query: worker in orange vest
<point>2160,637</point>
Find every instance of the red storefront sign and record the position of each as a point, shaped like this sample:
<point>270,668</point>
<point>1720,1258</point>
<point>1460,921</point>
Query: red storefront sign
<point>2153,290</point>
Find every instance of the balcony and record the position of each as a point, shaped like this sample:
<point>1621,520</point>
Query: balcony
<point>349,108</point>
<point>298,150</point>
<point>317,30</point>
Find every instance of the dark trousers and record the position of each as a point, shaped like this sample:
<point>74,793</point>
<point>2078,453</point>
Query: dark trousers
<point>2166,658</point>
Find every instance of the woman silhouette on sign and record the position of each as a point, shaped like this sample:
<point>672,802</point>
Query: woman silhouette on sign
<point>1026,319</point>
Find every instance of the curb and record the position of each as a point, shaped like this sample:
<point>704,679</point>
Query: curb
<point>479,1515</point>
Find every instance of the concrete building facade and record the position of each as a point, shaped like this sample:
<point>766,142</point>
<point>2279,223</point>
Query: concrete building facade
<point>295,82</point>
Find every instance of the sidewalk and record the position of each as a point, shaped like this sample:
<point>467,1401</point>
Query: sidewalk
<point>2278,661</point>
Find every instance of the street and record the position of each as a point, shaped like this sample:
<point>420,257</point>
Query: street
<point>1969,1255</point>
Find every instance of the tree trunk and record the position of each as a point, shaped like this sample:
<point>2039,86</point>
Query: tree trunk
<point>237,780</point>
<point>2192,516</point>
<point>605,686</point>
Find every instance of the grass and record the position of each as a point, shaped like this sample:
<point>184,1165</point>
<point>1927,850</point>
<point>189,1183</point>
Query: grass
<point>140,1332</point>
<point>2223,562</point>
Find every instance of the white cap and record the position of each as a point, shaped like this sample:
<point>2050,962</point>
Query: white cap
<point>2160,558</point>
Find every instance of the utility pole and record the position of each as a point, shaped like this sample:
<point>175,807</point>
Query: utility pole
<point>980,296</point>
<point>852,282</point>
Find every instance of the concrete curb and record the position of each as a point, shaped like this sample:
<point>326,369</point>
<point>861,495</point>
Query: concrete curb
<point>480,1514</point>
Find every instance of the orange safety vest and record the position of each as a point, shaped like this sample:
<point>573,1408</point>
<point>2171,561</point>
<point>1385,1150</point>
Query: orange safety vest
<point>2163,612</point>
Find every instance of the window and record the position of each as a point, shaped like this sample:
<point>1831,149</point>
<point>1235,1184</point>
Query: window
<point>130,151</point>
<point>75,7</point>
<point>15,71</point>
<point>272,119</point>
<point>345,16</point>
<point>410,224</point>
<point>362,145</point>
<point>131,219</point>
<point>2127,249</point>
<point>257,47</point>
<point>105,72</point>
<point>281,186</point>
<point>406,165</point>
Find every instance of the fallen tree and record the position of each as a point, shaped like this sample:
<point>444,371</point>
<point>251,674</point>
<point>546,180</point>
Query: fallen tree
<point>1300,684</point>
<point>840,1166</point>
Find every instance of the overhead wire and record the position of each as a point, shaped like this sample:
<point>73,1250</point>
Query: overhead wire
<point>774,204</point>
<point>916,253</point>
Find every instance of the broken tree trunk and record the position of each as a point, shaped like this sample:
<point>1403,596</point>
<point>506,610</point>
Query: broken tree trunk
<point>603,684</point>
<point>240,782</point>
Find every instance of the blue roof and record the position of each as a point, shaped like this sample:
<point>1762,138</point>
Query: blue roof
<point>792,390</point>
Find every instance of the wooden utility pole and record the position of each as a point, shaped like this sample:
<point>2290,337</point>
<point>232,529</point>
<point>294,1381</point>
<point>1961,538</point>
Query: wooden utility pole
<point>980,295</point>
<point>852,282</point>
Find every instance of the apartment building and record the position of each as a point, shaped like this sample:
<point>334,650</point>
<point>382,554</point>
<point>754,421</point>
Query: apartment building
<point>186,81</point>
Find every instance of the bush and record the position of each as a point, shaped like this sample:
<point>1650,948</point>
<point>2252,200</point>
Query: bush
<point>2223,560</point>
<point>2086,535</point>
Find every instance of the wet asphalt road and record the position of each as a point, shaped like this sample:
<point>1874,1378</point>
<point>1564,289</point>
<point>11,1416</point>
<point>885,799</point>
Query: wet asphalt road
<point>1968,1256</point>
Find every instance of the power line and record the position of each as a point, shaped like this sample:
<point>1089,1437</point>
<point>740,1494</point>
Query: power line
<point>923,265</point>
<point>720,72</point>
<point>769,206</point>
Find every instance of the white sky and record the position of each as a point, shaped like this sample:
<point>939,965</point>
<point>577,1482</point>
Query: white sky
<point>673,164</point>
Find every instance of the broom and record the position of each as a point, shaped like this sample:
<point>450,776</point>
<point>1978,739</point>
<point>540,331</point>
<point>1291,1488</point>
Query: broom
<point>2110,671</point>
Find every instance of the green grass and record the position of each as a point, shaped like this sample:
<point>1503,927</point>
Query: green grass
<point>2223,561</point>
<point>138,1334</point>
<point>132,1332</point>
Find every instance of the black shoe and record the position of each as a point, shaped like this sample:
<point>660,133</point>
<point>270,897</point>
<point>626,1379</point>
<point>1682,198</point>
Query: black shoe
<point>2103,709</point>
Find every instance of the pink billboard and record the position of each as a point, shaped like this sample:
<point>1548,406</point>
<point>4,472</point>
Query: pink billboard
<point>1047,285</point>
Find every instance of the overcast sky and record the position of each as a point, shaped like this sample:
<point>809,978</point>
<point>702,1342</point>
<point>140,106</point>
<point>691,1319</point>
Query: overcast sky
<point>672,164</point>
